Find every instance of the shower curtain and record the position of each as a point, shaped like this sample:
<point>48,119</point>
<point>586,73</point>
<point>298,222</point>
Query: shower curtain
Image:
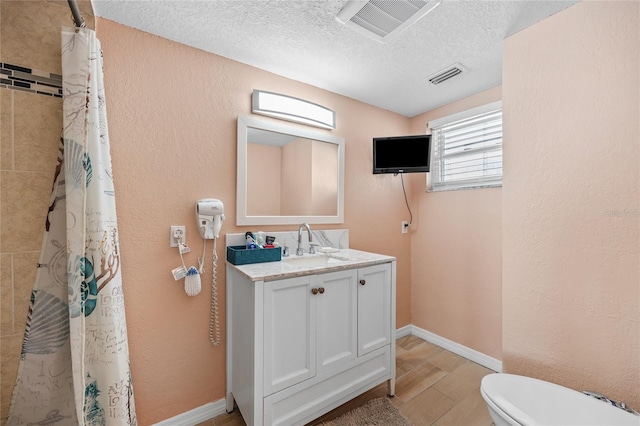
<point>74,366</point>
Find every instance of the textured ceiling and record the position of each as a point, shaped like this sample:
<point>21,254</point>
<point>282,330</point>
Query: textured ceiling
<point>303,40</point>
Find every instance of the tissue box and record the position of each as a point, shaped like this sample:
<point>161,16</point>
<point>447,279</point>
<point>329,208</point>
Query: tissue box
<point>240,255</point>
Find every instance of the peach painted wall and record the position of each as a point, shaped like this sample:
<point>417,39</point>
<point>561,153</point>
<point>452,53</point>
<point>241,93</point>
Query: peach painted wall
<point>172,120</point>
<point>456,253</point>
<point>263,187</point>
<point>296,173</point>
<point>571,300</point>
<point>324,178</point>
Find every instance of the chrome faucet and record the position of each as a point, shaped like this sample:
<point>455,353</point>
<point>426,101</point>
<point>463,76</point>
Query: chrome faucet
<point>299,250</point>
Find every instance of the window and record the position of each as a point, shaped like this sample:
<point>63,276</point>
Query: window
<point>467,149</point>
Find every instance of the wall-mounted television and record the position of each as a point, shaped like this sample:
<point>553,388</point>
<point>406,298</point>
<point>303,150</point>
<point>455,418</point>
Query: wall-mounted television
<point>401,154</point>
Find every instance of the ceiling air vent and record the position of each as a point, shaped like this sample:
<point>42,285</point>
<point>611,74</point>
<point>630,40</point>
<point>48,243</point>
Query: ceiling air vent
<point>449,72</point>
<point>383,19</point>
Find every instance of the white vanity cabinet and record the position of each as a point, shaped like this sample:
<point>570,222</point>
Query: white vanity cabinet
<point>310,325</point>
<point>299,345</point>
<point>374,308</point>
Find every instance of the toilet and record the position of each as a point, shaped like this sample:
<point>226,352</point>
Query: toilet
<point>517,400</point>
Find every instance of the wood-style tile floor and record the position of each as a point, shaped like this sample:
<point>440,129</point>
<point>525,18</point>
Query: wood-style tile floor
<point>433,387</point>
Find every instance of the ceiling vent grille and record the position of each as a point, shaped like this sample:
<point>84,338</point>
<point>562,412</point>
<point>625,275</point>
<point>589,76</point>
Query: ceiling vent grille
<point>384,19</point>
<point>448,73</point>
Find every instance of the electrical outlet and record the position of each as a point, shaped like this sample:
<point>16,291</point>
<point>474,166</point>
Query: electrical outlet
<point>178,233</point>
<point>405,226</point>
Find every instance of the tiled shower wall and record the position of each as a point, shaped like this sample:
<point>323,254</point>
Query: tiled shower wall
<point>30,126</point>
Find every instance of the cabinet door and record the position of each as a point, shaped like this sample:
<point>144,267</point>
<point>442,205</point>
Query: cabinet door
<point>374,307</point>
<point>337,319</point>
<point>289,333</point>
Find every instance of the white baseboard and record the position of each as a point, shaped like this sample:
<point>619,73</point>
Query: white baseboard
<point>457,348</point>
<point>197,415</point>
<point>213,409</point>
<point>404,331</point>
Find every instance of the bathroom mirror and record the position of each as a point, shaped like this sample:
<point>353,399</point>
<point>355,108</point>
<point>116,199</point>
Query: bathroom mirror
<point>288,175</point>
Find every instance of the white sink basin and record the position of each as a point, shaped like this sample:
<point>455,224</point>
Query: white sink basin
<point>313,261</point>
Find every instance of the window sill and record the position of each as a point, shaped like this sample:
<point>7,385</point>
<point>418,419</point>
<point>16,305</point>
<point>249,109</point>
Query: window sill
<point>462,188</point>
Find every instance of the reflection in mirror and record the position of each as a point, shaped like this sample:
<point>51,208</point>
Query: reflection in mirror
<point>288,175</point>
<point>301,176</point>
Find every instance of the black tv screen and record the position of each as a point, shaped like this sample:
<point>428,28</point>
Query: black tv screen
<point>401,154</point>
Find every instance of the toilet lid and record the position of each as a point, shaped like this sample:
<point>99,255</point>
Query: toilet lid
<point>531,401</point>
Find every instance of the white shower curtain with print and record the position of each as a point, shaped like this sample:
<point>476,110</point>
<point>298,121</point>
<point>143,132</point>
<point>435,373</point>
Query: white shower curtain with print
<point>74,366</point>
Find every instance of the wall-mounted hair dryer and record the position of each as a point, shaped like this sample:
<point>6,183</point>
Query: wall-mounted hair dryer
<point>209,215</point>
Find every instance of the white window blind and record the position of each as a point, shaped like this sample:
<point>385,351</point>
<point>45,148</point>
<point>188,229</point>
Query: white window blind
<point>467,152</point>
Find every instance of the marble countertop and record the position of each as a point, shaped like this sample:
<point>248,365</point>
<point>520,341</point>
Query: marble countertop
<point>295,266</point>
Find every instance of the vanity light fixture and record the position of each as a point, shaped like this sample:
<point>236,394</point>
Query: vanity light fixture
<point>292,109</point>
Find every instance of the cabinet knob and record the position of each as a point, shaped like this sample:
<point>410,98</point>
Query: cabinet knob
<point>314,290</point>
<point>362,282</point>
<point>321,290</point>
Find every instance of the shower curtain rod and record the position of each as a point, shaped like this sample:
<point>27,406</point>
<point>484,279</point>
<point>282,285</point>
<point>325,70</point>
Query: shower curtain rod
<point>77,17</point>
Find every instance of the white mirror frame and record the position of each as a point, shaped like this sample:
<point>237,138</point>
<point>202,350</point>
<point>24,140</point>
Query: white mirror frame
<point>241,182</point>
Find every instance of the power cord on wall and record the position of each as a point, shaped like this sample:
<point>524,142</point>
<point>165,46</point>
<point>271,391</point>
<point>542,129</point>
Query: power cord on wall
<point>405,200</point>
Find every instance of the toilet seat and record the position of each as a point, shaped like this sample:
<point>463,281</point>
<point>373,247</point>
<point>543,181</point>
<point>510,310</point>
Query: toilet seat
<point>492,406</point>
<point>529,401</point>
